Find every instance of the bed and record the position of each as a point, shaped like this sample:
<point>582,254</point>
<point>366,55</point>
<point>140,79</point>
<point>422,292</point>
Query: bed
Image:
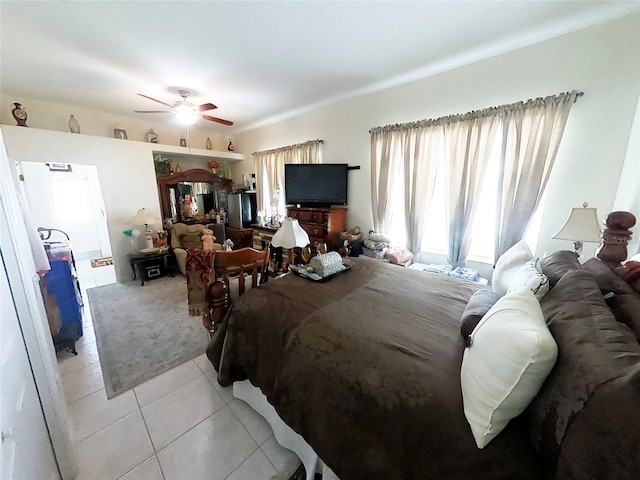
<point>365,368</point>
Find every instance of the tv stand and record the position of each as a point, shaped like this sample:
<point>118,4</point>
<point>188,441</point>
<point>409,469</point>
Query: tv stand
<point>322,224</point>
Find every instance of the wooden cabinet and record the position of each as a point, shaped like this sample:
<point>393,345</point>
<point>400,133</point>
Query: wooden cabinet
<point>193,196</point>
<point>321,224</point>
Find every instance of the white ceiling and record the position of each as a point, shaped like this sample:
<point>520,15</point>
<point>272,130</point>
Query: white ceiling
<point>259,61</point>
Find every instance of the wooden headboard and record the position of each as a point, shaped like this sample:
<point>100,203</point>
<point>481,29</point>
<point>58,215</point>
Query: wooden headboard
<point>613,247</point>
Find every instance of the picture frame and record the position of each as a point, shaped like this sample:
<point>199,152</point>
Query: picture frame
<point>120,133</point>
<point>183,142</point>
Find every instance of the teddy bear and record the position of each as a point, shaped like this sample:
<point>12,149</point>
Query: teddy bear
<point>207,239</point>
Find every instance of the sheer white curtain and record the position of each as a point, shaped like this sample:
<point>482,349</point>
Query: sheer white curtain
<point>384,164</point>
<point>270,172</point>
<point>468,142</point>
<point>405,159</point>
<point>422,153</point>
<point>531,136</point>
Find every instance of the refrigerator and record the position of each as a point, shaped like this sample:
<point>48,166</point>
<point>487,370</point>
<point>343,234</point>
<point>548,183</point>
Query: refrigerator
<point>242,209</point>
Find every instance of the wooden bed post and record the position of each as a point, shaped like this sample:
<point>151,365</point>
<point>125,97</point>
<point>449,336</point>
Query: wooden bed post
<point>613,248</point>
<point>616,235</point>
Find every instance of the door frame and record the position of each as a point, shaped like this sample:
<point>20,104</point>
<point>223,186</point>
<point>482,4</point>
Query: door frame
<point>25,288</point>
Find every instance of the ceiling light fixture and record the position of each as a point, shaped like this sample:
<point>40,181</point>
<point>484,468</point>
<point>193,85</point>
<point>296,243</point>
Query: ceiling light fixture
<point>186,113</point>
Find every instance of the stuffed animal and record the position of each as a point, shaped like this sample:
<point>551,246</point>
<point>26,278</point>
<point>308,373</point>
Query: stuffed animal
<point>207,239</point>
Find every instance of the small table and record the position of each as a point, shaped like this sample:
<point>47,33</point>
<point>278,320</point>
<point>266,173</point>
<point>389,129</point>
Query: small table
<point>150,266</point>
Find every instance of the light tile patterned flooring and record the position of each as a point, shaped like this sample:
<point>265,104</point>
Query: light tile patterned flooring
<point>179,425</point>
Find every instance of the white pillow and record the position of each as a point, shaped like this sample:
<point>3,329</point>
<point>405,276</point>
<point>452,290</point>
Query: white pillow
<point>511,354</point>
<point>530,277</point>
<point>507,266</point>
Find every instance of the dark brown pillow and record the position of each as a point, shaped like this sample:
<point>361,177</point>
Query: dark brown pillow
<point>555,265</point>
<point>620,297</point>
<point>477,306</point>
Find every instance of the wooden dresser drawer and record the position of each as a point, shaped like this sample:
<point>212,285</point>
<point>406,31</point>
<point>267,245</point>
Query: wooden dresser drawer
<point>308,216</point>
<point>314,230</point>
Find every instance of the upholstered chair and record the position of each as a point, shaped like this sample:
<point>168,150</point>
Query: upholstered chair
<point>185,237</point>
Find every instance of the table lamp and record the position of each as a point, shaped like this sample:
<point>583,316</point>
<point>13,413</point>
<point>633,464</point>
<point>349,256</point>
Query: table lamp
<point>290,235</point>
<point>581,226</point>
<point>144,217</point>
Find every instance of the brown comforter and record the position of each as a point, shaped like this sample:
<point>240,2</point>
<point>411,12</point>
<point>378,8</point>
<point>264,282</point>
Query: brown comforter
<point>366,367</point>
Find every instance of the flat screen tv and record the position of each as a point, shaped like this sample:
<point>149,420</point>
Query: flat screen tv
<point>316,184</point>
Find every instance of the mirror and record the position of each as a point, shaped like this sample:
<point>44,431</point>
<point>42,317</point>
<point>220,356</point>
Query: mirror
<point>193,196</point>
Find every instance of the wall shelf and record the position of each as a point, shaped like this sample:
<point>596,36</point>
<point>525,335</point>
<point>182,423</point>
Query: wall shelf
<point>197,153</point>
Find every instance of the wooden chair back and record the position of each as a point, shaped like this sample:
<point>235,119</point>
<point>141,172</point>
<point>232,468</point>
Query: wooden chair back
<point>242,263</point>
<point>230,265</point>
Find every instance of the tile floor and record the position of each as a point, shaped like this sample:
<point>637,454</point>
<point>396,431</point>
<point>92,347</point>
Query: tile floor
<point>179,425</point>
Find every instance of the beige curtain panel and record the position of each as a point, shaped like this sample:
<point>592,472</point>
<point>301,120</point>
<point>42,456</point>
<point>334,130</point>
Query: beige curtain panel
<point>405,159</point>
<point>270,171</point>
<point>531,136</point>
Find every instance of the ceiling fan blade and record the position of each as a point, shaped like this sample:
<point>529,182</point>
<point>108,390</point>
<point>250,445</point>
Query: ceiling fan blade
<point>206,106</point>
<point>217,120</point>
<point>159,101</point>
<point>151,111</point>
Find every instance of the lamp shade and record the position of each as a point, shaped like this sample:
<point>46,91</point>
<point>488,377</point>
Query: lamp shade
<point>143,217</point>
<point>582,225</point>
<point>290,235</point>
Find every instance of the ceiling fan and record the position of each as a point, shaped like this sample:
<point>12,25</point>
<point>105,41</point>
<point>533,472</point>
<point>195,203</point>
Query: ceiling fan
<point>186,112</point>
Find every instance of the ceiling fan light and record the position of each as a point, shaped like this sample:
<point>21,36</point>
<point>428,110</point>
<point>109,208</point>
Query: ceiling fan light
<point>186,113</point>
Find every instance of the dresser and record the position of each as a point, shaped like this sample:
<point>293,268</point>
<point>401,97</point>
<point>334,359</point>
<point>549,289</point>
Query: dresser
<point>321,224</point>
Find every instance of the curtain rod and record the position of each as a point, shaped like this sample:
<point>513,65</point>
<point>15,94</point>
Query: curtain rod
<point>289,146</point>
<point>515,104</point>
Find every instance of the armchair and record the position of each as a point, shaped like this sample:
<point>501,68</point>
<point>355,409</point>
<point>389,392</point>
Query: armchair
<point>184,237</point>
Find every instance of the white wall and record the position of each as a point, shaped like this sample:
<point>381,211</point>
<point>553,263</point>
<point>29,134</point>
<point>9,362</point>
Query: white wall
<point>601,61</point>
<point>125,168</point>
<point>628,195</point>
<point>54,116</point>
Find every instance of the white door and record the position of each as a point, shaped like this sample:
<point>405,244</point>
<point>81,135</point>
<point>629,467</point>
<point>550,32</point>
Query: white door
<point>26,447</point>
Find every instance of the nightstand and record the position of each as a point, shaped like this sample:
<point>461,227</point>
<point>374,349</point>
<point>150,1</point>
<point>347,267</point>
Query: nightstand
<point>149,266</point>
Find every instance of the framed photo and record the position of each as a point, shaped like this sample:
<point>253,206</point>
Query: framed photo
<point>119,133</point>
<point>183,142</point>
<point>152,137</point>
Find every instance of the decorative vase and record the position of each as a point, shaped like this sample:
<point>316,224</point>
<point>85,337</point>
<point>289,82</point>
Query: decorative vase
<point>19,114</point>
<point>74,126</point>
<point>208,144</point>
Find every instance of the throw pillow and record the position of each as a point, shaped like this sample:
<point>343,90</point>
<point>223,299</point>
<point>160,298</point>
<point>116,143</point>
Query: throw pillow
<point>477,306</point>
<point>507,266</point>
<point>511,354</point>
<point>530,277</point>
<point>558,263</point>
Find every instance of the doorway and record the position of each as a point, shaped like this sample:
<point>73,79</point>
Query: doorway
<point>68,197</point>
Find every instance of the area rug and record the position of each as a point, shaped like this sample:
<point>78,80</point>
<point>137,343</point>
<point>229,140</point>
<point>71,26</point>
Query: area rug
<point>101,262</point>
<point>143,331</point>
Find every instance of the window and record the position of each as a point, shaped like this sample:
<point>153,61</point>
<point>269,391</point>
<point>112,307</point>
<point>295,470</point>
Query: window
<point>434,238</point>
<point>490,165</point>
